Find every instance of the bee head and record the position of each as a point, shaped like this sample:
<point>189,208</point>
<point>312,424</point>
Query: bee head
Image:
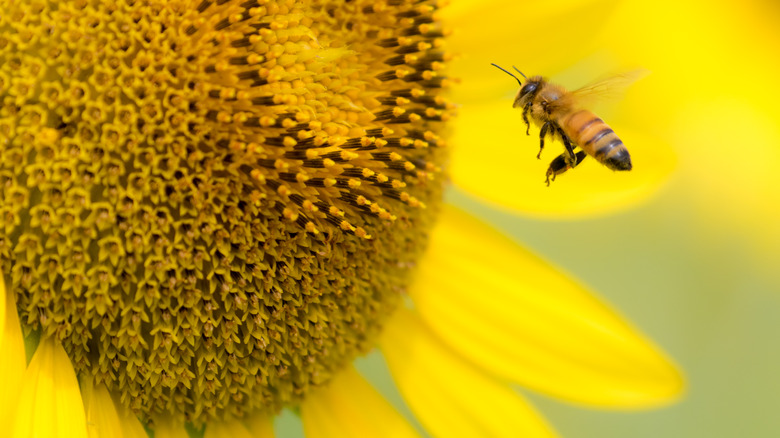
<point>527,91</point>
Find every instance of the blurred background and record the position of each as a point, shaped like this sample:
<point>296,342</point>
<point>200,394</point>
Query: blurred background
<point>688,246</point>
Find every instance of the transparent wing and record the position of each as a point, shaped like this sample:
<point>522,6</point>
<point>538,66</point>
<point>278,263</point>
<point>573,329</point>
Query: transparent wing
<point>609,88</point>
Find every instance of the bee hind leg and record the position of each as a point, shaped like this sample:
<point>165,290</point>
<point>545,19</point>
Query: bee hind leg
<point>571,157</point>
<point>561,164</point>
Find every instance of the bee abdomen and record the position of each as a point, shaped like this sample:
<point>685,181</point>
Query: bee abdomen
<point>596,138</point>
<point>613,154</point>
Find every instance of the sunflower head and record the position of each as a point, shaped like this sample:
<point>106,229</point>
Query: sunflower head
<point>213,205</point>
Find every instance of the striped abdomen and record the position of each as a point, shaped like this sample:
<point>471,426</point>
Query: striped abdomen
<point>596,138</point>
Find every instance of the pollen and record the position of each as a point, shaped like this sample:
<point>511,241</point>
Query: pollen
<point>199,198</point>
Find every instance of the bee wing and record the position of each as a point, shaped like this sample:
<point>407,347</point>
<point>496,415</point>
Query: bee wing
<point>610,87</point>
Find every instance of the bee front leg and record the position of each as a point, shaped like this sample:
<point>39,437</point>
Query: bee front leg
<point>561,164</point>
<point>542,134</point>
<point>526,109</point>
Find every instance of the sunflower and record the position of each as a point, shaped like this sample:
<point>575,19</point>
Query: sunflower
<point>210,208</point>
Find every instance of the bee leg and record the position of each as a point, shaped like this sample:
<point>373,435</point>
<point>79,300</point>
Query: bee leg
<point>526,109</point>
<point>561,164</point>
<point>571,157</point>
<point>542,135</point>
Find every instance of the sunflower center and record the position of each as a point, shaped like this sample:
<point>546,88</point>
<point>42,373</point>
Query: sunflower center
<point>213,205</point>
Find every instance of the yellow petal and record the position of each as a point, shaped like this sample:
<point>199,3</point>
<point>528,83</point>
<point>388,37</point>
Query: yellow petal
<point>131,426</point>
<point>477,13</point>
<point>50,401</point>
<point>520,318</point>
<point>2,307</point>
<point>167,428</point>
<point>349,407</point>
<point>260,426</point>
<point>507,33</point>
<point>494,159</point>
<point>726,137</point>
<point>450,397</point>
<point>13,360</point>
<point>104,417</point>
<point>227,429</point>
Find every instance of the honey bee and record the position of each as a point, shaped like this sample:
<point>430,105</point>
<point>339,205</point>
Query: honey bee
<point>559,113</point>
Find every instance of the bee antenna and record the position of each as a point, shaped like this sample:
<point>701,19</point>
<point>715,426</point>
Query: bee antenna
<point>510,74</point>
<point>521,73</point>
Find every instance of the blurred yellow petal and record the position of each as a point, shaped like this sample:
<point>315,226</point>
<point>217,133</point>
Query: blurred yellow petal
<point>13,360</point>
<point>168,428</point>
<point>494,159</point>
<point>131,425</point>
<point>520,318</point>
<point>507,33</point>
<point>742,190</point>
<point>348,407</point>
<point>450,397</point>
<point>260,426</point>
<point>2,307</point>
<point>227,429</point>
<point>105,418</point>
<point>102,417</point>
<point>479,12</point>
<point>50,401</point>
<point>727,136</point>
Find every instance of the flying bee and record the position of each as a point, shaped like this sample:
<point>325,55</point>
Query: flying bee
<point>559,113</point>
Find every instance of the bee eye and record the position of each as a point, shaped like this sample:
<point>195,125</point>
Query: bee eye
<point>528,88</point>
